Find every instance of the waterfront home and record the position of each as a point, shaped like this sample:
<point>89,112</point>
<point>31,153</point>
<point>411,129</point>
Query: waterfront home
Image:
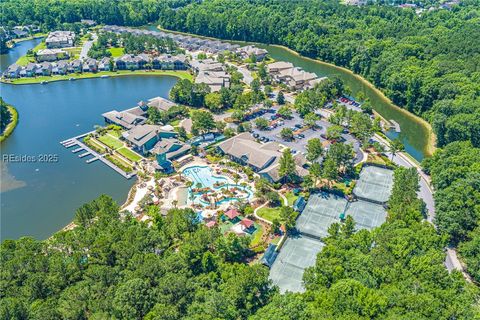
<point>20,32</point>
<point>215,80</point>
<point>126,62</point>
<point>249,51</point>
<point>168,62</point>
<point>142,138</point>
<point>104,64</point>
<point>60,39</point>
<point>13,71</point>
<point>161,104</point>
<point>75,66</point>
<point>30,69</point>
<point>46,68</point>
<point>90,65</point>
<point>51,55</point>
<point>143,61</point>
<point>295,78</point>
<point>232,215</point>
<point>275,68</point>
<point>132,62</point>
<point>124,119</point>
<point>168,149</point>
<point>262,158</point>
<point>60,67</point>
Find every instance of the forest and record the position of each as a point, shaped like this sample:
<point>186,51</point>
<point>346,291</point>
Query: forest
<point>114,267</point>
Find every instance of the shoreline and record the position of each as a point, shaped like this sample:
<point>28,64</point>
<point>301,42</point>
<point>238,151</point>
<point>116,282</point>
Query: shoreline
<point>11,125</point>
<point>89,75</point>
<point>431,145</point>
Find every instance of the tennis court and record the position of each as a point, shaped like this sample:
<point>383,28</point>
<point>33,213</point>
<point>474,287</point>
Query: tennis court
<point>298,253</point>
<point>367,215</point>
<point>321,211</point>
<point>374,184</point>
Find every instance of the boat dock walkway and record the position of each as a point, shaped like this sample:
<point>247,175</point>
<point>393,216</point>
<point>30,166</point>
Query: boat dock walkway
<point>394,125</point>
<point>76,141</point>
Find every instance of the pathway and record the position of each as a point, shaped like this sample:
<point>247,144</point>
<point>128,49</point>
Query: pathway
<point>87,45</point>
<point>258,217</point>
<point>247,75</point>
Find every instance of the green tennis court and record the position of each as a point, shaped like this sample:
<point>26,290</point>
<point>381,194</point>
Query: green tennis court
<point>297,253</point>
<point>374,184</point>
<point>367,215</point>
<point>321,211</point>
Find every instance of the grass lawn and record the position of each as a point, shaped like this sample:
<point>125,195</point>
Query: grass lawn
<point>115,133</point>
<point>175,123</point>
<point>40,46</point>
<point>291,198</point>
<point>110,141</point>
<point>269,213</point>
<point>88,75</point>
<point>119,163</point>
<point>24,60</point>
<point>257,235</point>
<point>116,52</point>
<point>129,154</point>
<point>95,145</point>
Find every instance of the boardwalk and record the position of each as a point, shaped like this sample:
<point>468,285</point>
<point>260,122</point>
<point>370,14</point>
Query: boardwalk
<point>75,141</point>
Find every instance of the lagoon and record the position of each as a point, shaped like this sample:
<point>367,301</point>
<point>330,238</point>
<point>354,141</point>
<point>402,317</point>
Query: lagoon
<point>39,198</point>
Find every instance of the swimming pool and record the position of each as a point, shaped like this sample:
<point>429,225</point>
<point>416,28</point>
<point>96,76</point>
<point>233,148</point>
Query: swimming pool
<point>208,188</point>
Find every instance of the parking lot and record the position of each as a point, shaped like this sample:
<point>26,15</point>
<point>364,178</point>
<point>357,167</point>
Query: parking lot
<point>298,144</point>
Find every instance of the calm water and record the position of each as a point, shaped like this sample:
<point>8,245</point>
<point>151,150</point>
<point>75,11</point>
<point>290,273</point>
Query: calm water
<point>38,199</point>
<point>19,50</point>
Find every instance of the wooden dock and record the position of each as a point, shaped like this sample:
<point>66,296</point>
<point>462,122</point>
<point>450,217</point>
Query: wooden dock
<point>75,141</point>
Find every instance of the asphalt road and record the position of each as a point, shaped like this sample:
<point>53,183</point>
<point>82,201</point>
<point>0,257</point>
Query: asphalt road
<point>87,45</point>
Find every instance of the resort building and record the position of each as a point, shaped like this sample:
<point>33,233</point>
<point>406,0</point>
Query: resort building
<point>60,39</point>
<point>248,51</point>
<point>168,149</point>
<point>124,119</point>
<point>262,158</point>
<point>144,137</point>
<point>51,55</point>
<point>161,104</point>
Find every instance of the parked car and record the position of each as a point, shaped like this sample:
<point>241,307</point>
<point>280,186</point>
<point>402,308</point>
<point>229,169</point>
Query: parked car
<point>256,135</point>
<point>298,126</point>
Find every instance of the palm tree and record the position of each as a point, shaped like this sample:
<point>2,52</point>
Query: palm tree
<point>175,202</point>
<point>395,147</point>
